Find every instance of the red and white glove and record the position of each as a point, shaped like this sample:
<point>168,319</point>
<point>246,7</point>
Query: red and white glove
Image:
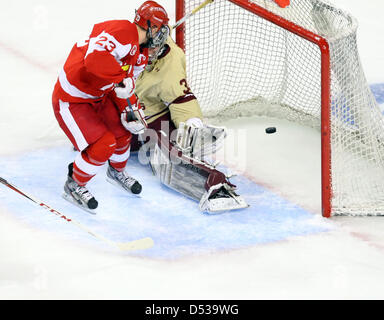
<point>133,118</point>
<point>125,89</point>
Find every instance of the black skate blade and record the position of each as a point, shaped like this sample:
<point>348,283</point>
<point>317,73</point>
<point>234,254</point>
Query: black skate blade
<point>73,201</point>
<point>129,193</point>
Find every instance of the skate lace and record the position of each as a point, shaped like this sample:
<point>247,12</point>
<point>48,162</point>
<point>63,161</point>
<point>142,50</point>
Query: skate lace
<point>125,179</point>
<point>83,193</point>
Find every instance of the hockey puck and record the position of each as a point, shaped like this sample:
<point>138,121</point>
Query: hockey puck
<point>270,130</point>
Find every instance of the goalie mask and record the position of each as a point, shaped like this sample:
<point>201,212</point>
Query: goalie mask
<point>158,43</point>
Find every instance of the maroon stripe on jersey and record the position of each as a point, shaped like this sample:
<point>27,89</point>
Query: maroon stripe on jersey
<point>165,52</point>
<point>185,98</point>
<point>156,114</point>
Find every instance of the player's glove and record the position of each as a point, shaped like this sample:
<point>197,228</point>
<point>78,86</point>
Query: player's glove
<point>125,88</point>
<point>133,118</point>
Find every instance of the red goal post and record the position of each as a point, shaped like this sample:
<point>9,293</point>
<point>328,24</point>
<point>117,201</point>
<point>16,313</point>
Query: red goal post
<point>300,63</point>
<point>325,79</point>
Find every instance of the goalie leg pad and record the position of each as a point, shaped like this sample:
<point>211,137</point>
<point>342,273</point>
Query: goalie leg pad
<point>196,180</point>
<point>182,177</point>
<point>221,197</point>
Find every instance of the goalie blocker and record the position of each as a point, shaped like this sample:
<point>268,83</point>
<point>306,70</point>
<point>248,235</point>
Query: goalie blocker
<point>180,169</point>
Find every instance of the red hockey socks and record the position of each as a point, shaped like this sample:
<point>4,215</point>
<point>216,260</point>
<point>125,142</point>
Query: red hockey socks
<point>89,161</point>
<point>122,152</point>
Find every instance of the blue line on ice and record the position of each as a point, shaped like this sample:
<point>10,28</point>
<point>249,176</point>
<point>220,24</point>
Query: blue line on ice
<point>172,220</point>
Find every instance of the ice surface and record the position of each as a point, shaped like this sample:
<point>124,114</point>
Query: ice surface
<point>279,248</point>
<point>173,221</point>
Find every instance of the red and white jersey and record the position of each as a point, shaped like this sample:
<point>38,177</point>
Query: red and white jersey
<point>95,65</point>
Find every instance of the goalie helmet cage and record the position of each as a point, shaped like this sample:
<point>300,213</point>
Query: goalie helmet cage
<point>301,63</point>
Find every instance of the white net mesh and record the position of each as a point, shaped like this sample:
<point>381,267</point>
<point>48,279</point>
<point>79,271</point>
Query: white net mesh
<point>240,64</point>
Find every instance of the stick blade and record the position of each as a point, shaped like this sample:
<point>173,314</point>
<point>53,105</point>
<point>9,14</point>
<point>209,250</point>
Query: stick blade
<point>140,244</point>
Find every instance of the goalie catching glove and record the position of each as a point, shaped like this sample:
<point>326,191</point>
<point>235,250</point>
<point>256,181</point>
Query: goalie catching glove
<point>199,140</point>
<point>133,118</point>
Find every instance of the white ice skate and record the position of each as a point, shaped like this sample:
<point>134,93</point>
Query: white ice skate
<point>79,195</point>
<point>123,180</point>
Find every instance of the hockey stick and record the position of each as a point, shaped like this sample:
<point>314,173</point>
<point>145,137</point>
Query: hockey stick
<point>139,244</point>
<point>182,20</point>
<point>139,136</point>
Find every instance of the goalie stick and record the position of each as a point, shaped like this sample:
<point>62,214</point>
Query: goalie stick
<point>139,244</point>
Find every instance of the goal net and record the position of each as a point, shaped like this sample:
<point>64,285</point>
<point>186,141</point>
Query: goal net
<point>301,63</point>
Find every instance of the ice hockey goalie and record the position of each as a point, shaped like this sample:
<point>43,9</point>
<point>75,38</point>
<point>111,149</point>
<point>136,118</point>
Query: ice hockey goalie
<point>178,141</point>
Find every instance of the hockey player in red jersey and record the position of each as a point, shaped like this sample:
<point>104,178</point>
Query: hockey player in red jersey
<point>89,99</point>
